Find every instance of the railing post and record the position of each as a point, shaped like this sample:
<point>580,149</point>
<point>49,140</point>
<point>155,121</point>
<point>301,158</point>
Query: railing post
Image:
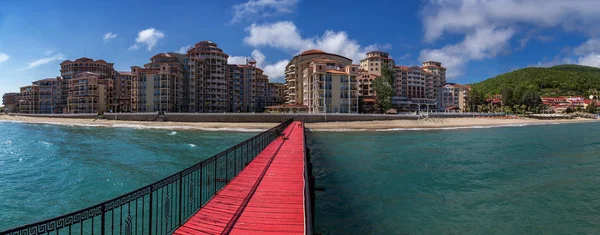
<point>180,193</point>
<point>103,220</point>
<point>150,213</point>
<point>227,166</point>
<point>215,176</point>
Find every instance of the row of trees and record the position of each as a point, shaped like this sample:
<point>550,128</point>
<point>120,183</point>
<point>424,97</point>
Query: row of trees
<point>516,100</point>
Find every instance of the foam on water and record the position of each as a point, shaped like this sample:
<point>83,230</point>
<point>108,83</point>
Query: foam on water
<point>173,133</point>
<point>192,145</point>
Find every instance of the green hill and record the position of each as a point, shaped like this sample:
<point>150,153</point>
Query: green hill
<point>554,81</point>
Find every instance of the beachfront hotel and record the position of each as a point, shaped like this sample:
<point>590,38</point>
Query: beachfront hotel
<point>293,72</point>
<point>158,86</point>
<point>454,97</point>
<point>329,86</point>
<point>50,94</point>
<point>29,99</point>
<point>68,69</point>
<point>248,87</point>
<point>87,93</point>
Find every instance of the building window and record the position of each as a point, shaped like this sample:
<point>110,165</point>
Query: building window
<point>371,69</point>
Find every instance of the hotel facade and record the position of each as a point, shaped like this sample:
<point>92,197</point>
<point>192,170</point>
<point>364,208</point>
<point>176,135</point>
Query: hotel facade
<point>329,86</point>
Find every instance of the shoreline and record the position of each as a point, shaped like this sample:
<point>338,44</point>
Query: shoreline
<point>391,125</point>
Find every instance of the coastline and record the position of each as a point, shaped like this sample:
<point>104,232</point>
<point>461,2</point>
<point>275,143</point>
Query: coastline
<point>392,125</point>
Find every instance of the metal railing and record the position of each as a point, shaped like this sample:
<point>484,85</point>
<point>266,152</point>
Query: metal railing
<point>161,207</point>
<point>309,191</point>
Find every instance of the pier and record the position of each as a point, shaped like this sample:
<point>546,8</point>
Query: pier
<point>260,186</point>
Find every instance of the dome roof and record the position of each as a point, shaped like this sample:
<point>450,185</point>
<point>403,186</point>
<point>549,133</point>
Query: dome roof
<point>312,51</point>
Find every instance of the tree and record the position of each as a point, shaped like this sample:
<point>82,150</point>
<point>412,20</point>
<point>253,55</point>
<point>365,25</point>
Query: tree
<point>523,107</point>
<point>507,96</point>
<point>569,110</point>
<point>383,94</point>
<point>592,107</point>
<point>384,90</point>
<point>516,107</point>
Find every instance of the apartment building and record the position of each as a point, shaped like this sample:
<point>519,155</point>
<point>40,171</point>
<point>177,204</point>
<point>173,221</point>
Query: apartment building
<point>330,86</point>
<point>439,78</point>
<point>87,93</point>
<point>208,90</point>
<point>275,94</point>
<point>247,87</point>
<point>68,69</point>
<point>50,95</point>
<point>10,101</point>
<point>123,87</point>
<point>29,99</point>
<point>375,61</point>
<point>454,97</point>
<point>294,69</point>
<point>413,89</point>
<point>159,85</point>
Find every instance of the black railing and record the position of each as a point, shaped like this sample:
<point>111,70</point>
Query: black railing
<point>161,207</point>
<point>309,191</point>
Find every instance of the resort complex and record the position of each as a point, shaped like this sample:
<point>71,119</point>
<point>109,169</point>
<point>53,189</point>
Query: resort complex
<point>202,81</point>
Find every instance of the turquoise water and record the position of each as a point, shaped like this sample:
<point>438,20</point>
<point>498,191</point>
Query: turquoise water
<point>512,180</point>
<point>48,170</point>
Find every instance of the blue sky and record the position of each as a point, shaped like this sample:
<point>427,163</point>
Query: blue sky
<point>474,39</point>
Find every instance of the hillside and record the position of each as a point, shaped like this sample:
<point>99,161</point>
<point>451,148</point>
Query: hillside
<point>553,81</point>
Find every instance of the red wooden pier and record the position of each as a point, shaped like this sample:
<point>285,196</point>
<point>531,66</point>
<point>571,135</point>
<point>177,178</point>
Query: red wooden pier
<point>267,197</point>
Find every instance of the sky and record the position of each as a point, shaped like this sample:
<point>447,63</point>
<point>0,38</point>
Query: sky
<point>474,39</point>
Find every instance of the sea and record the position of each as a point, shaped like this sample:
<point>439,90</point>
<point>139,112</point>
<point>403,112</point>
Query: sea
<point>539,179</point>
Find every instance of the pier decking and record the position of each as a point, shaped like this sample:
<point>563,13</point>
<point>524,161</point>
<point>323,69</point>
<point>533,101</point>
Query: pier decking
<point>267,197</point>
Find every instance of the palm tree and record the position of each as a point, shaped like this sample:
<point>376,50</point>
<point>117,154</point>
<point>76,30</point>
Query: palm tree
<point>523,107</point>
<point>516,107</point>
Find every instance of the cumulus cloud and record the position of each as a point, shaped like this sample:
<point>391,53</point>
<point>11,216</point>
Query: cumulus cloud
<point>3,57</point>
<point>254,9</point>
<point>236,60</point>
<point>108,36</point>
<point>592,59</point>
<point>43,61</point>
<point>483,43</point>
<point>285,36</point>
<point>148,37</point>
<point>461,16</point>
<point>184,49</point>
<point>502,18</point>
<point>274,71</point>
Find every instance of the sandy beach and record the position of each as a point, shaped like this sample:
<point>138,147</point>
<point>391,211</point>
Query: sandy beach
<point>439,123</point>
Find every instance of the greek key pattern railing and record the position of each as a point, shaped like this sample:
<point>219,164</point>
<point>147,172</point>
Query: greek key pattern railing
<point>161,207</point>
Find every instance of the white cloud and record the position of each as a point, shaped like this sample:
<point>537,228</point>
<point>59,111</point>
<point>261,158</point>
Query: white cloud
<point>501,19</point>
<point>133,47</point>
<point>236,60</point>
<point>148,37</point>
<point>108,36</point>
<point>461,16</point>
<point>184,49</point>
<point>45,60</point>
<point>4,57</point>
<point>593,59</point>
<point>48,52</point>
<point>274,71</point>
<point>277,70</point>
<point>254,9</point>
<point>284,35</point>
<point>483,43</point>
<point>591,45</point>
